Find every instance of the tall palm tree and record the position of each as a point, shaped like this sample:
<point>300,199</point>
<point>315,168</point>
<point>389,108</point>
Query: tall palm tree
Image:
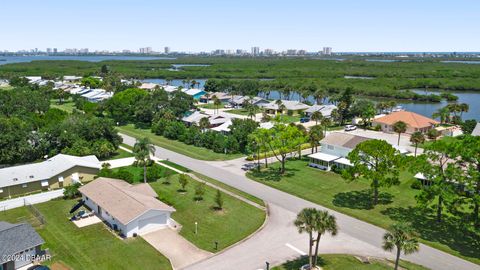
<point>464,107</point>
<point>443,114</point>
<point>142,151</point>
<point>417,138</point>
<point>319,95</point>
<point>391,104</point>
<point>324,223</point>
<point>326,122</point>
<point>311,220</point>
<point>399,127</point>
<point>216,103</point>
<point>305,222</point>
<point>315,135</point>
<point>400,237</point>
<point>317,117</point>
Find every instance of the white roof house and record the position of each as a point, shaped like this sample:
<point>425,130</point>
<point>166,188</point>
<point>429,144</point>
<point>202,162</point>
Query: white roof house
<point>130,209</point>
<point>325,110</point>
<point>33,172</point>
<point>223,128</point>
<point>148,86</point>
<point>194,118</point>
<point>169,88</point>
<point>33,79</point>
<point>290,105</point>
<point>71,78</point>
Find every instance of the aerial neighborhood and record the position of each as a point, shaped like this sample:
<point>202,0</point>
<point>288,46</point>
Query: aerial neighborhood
<point>199,156</point>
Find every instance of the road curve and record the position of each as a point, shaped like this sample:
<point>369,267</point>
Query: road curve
<point>354,232</point>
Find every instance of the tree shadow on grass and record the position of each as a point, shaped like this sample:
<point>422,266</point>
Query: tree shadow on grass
<point>360,199</point>
<point>272,174</point>
<point>295,264</point>
<point>452,231</point>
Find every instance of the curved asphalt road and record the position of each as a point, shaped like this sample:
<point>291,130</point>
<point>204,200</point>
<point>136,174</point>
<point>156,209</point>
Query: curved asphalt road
<point>279,241</point>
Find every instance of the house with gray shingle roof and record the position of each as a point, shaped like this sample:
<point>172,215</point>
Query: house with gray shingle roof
<point>19,245</point>
<point>53,173</point>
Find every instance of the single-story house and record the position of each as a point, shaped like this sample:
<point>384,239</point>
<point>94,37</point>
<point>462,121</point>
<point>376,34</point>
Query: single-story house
<point>19,245</point>
<point>149,86</point>
<point>476,130</point>
<point>223,128</point>
<point>194,92</point>
<point>325,110</point>
<point>208,97</point>
<point>194,118</point>
<point>169,88</point>
<point>415,122</point>
<point>334,149</point>
<point>71,78</point>
<point>33,79</point>
<point>130,209</point>
<point>53,173</point>
<point>96,95</point>
<point>292,106</point>
<point>238,101</point>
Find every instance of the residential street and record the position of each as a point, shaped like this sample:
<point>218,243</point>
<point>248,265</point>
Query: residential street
<point>279,241</point>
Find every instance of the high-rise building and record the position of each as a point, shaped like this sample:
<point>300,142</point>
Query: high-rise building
<point>301,52</point>
<point>268,52</point>
<point>145,50</point>
<point>167,50</point>
<point>291,52</point>
<point>49,50</point>
<point>55,50</point>
<point>255,51</point>
<point>327,51</point>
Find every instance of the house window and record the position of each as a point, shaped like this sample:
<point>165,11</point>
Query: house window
<point>44,183</point>
<point>330,147</point>
<point>60,179</point>
<point>1,191</point>
<point>24,185</point>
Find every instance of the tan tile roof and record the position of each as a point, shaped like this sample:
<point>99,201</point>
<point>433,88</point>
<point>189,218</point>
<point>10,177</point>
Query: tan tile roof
<point>121,200</point>
<point>343,139</point>
<point>412,119</point>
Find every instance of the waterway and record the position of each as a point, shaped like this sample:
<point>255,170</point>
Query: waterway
<point>92,58</point>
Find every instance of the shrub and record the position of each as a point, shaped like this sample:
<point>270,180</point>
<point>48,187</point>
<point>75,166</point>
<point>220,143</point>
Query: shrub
<point>416,185</point>
<point>219,200</point>
<point>154,172</point>
<point>183,180</point>
<point>71,191</point>
<point>199,191</point>
<point>124,174</point>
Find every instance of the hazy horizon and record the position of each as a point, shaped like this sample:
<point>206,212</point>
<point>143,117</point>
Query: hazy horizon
<point>194,26</point>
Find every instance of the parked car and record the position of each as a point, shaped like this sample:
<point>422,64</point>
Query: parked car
<point>304,119</point>
<point>350,127</point>
<point>228,106</point>
<point>39,267</point>
<point>249,166</point>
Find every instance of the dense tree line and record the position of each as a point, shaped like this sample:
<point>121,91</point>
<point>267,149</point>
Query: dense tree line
<point>31,130</point>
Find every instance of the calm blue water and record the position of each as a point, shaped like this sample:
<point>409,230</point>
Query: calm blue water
<point>93,58</point>
<point>462,62</point>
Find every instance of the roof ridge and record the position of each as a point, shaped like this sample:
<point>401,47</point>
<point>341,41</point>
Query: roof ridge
<point>129,195</point>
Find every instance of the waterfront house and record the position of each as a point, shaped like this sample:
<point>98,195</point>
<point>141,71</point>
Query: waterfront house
<point>20,244</point>
<point>208,97</point>
<point>325,110</point>
<point>149,86</point>
<point>53,173</point>
<point>291,107</point>
<point>129,209</point>
<point>239,101</point>
<point>194,92</point>
<point>415,122</point>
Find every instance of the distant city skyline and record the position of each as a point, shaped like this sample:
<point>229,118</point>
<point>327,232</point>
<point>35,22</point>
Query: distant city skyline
<point>205,26</point>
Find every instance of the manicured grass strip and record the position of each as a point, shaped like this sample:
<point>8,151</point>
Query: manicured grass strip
<point>127,146</point>
<point>91,247</point>
<point>120,153</point>
<point>230,188</point>
<point>238,111</point>
<point>396,204</point>
<point>343,262</point>
<point>177,146</point>
<point>236,221</point>
<point>174,165</point>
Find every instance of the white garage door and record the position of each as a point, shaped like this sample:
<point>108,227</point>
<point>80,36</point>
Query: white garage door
<point>152,222</point>
<point>25,259</point>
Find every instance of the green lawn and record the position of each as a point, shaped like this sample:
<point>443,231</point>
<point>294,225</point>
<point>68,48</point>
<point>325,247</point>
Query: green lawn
<point>236,221</point>
<point>396,204</point>
<point>211,106</point>
<point>67,105</point>
<point>342,262</point>
<point>176,146</point>
<point>137,172</point>
<point>174,165</point>
<point>238,111</point>
<point>91,247</point>
<point>120,153</point>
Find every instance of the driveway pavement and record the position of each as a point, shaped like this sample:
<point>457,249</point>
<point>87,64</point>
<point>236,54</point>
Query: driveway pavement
<point>356,236</point>
<point>180,252</point>
<point>121,162</point>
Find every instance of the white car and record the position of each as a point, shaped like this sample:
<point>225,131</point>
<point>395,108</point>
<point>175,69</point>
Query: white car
<point>350,127</point>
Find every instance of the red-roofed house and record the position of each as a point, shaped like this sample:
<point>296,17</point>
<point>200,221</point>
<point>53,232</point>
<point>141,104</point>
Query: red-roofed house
<point>414,121</point>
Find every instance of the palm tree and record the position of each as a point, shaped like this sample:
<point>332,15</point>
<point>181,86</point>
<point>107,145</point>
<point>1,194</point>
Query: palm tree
<point>391,104</point>
<point>443,114</point>
<point>311,220</point>
<point>142,151</point>
<point>216,103</point>
<point>326,122</point>
<point>324,223</point>
<point>204,123</point>
<point>305,222</point>
<point>400,237</point>
<point>317,117</point>
<point>417,138</point>
<point>463,108</point>
<point>399,127</point>
<point>315,135</point>
<point>319,95</point>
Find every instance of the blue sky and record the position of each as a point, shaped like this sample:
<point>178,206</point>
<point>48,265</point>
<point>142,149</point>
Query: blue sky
<point>345,25</point>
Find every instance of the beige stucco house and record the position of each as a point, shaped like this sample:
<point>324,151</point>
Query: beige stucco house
<point>53,173</point>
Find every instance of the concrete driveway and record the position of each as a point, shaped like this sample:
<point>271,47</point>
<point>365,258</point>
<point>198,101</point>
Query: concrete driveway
<point>179,251</point>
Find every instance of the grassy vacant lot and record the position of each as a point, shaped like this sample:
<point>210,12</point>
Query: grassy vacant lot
<point>341,262</point>
<point>91,247</point>
<point>236,221</point>
<point>396,204</point>
<point>176,146</point>
<point>238,111</point>
<point>67,105</point>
